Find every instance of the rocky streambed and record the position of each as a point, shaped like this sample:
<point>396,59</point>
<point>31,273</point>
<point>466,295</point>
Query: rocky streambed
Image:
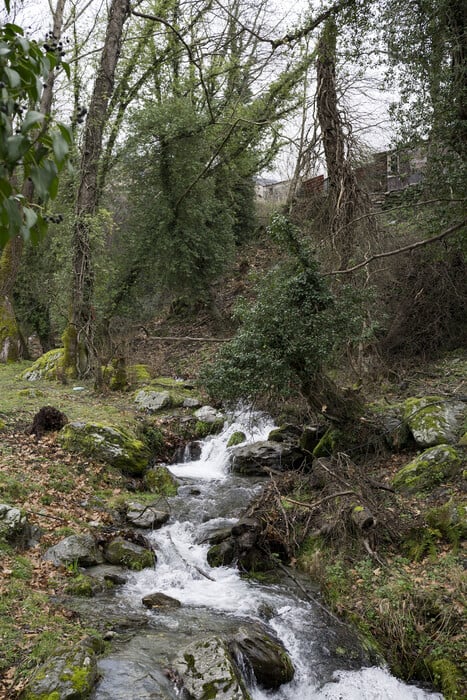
<point>181,628</point>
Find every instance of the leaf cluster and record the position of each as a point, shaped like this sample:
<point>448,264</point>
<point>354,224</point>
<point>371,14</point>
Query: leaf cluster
<point>30,149</point>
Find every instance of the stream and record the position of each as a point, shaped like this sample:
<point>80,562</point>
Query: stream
<point>328,659</point>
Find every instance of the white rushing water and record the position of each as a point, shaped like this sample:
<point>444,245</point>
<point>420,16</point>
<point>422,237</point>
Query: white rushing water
<point>182,572</point>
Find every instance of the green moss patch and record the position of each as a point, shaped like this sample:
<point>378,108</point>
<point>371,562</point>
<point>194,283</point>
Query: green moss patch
<point>430,468</point>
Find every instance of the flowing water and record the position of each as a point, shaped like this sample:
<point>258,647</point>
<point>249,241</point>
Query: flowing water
<point>329,663</point>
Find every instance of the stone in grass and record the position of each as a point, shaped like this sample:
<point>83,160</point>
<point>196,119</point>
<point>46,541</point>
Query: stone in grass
<point>14,526</point>
<point>151,401</point>
<point>67,676</point>
<point>48,366</point>
<point>128,554</point>
<point>207,671</point>
<point>428,469</point>
<point>107,443</point>
<point>76,549</point>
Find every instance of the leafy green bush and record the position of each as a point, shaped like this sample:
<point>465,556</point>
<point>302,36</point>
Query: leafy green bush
<point>289,334</point>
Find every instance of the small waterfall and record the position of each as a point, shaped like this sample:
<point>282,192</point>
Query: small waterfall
<point>209,497</point>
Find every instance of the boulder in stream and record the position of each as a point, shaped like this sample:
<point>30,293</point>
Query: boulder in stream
<point>159,600</point>
<point>267,657</point>
<point>148,517</point>
<point>206,670</point>
<point>260,457</point>
<point>129,554</point>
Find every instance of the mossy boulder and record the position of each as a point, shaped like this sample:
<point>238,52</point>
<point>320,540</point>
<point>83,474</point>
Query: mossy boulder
<point>113,445</point>
<point>207,671</point>
<point>125,553</point>
<point>236,438</point>
<point>68,676</point>
<point>48,366</point>
<point>427,470</point>
<point>160,481</point>
<point>433,420</point>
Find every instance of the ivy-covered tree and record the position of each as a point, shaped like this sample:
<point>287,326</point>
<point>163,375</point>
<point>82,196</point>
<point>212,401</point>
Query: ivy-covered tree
<point>287,338</point>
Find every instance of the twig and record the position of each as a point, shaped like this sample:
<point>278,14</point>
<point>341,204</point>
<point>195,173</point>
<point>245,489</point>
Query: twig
<point>197,340</point>
<point>404,249</point>
<point>311,506</point>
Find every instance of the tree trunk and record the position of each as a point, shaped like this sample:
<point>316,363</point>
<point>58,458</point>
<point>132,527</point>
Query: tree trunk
<point>80,355</point>
<point>344,195</point>
<point>11,342</point>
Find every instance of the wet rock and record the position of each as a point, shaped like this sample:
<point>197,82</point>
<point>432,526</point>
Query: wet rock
<point>148,517</point>
<point>69,676</point>
<point>285,433</point>
<point>427,470</point>
<point>214,534</point>
<point>160,600</point>
<point>208,414</point>
<point>206,671</point>
<point>129,554</point>
<point>267,657</point>
<point>14,526</point>
<point>258,458</point>
<point>79,549</point>
<point>236,439</point>
<point>222,554</point>
<point>434,421</point>
<point>107,443</point>
<point>116,575</point>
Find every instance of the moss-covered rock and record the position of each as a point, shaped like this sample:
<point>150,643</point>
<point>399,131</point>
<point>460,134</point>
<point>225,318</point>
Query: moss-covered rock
<point>236,438</point>
<point>427,470</point>
<point>69,676</point>
<point>117,447</point>
<point>160,481</point>
<point>447,677</point>
<point>48,366</point>
<point>125,553</point>
<point>433,420</point>
<point>207,671</point>
<point>328,444</point>
<point>202,428</point>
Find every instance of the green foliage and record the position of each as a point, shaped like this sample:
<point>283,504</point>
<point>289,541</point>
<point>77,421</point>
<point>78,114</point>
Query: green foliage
<point>289,334</point>
<point>30,150</point>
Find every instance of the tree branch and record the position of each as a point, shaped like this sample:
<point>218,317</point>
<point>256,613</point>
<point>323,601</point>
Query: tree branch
<point>404,249</point>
